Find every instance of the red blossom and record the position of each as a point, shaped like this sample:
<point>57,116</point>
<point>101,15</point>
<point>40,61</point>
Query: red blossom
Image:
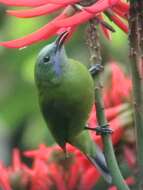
<point>4,178</point>
<point>38,11</point>
<point>55,174</point>
<point>43,33</point>
<point>89,180</point>
<point>42,153</point>
<point>51,171</point>
<point>74,178</point>
<point>106,32</point>
<point>87,13</point>
<point>116,93</point>
<point>30,3</point>
<point>129,155</point>
<point>69,18</point>
<point>16,161</point>
<point>18,171</point>
<point>39,176</point>
<point>58,177</point>
<point>117,20</point>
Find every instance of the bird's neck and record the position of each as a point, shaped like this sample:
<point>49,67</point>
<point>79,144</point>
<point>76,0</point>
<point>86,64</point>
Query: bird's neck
<point>59,64</point>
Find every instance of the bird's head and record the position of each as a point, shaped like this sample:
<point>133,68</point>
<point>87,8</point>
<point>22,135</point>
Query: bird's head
<point>52,58</point>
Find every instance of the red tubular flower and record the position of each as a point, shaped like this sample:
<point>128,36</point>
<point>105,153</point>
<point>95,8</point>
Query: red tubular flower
<point>39,176</point>
<point>57,177</point>
<point>117,93</point>
<point>69,18</point>
<point>104,30</point>
<point>118,21</point>
<point>16,161</point>
<point>38,11</point>
<point>43,33</point>
<point>129,154</point>
<point>89,180</point>
<point>4,179</point>
<point>74,178</point>
<point>87,13</point>
<point>18,171</point>
<point>50,169</point>
<point>122,6</point>
<point>34,3</point>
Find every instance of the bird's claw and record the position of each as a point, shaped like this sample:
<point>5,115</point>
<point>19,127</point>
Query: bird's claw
<point>95,69</point>
<point>101,130</point>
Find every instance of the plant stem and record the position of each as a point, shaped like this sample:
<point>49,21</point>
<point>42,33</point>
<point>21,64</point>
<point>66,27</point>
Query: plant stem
<point>94,48</point>
<point>136,65</point>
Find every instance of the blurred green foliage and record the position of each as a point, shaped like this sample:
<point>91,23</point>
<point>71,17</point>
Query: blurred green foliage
<point>20,120</point>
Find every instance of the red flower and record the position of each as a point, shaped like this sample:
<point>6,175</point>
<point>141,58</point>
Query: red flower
<point>15,175</point>
<point>56,172</point>
<point>130,156</point>
<point>119,89</point>
<point>18,171</point>
<point>69,19</point>
<point>49,170</point>
<point>4,179</point>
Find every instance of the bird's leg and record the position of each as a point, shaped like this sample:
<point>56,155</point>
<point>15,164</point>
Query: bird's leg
<point>101,130</point>
<point>95,69</point>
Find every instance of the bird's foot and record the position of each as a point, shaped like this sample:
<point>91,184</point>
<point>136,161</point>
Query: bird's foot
<point>101,130</point>
<point>95,69</point>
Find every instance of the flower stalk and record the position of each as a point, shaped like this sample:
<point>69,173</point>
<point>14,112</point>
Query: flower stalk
<point>136,66</point>
<point>95,57</point>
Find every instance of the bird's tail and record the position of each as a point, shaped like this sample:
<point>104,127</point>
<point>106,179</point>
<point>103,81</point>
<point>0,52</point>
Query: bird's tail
<point>93,152</point>
<point>99,161</point>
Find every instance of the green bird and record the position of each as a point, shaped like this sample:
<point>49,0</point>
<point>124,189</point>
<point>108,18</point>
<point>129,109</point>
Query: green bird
<point>66,96</point>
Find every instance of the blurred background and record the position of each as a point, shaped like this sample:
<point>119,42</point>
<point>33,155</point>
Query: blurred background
<point>21,124</point>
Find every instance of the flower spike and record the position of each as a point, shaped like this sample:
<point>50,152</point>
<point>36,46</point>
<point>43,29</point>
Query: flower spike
<point>87,14</point>
<point>72,17</point>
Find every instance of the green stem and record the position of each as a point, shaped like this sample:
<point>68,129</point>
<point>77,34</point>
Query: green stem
<point>94,48</point>
<point>136,52</point>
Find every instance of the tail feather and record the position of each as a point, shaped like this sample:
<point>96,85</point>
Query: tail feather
<point>99,161</point>
<point>93,152</point>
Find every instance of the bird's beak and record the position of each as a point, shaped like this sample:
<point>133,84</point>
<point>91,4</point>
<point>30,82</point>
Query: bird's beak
<point>61,39</point>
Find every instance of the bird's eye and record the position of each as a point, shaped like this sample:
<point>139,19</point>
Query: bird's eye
<point>46,59</point>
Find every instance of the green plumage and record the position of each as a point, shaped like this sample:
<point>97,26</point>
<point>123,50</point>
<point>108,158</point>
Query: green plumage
<point>66,106</point>
<point>66,95</point>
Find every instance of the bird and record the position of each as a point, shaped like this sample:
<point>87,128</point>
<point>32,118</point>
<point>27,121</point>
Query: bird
<point>65,89</point>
